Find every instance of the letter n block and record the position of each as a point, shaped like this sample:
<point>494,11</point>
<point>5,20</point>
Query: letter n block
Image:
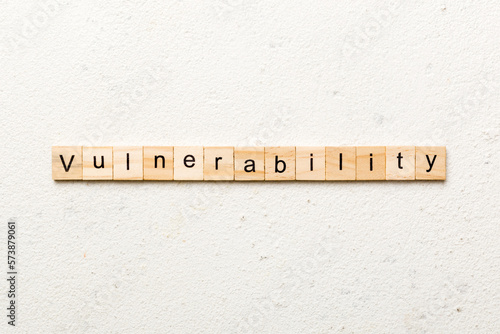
<point>218,164</point>
<point>67,163</point>
<point>159,163</point>
<point>280,163</point>
<point>188,163</point>
<point>428,156</point>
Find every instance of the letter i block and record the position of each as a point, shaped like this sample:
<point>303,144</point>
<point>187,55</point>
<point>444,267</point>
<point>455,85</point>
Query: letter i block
<point>310,163</point>
<point>67,163</point>
<point>280,163</point>
<point>188,163</point>
<point>98,163</point>
<point>127,163</point>
<point>431,162</point>
<point>370,163</point>
<point>158,163</point>
<point>218,164</point>
<point>400,162</point>
<point>340,163</point>
<point>249,164</point>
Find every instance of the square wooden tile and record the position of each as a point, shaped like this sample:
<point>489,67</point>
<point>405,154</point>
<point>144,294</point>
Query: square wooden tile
<point>280,163</point>
<point>370,163</point>
<point>400,162</point>
<point>218,164</point>
<point>340,163</point>
<point>158,163</point>
<point>310,163</point>
<point>249,164</point>
<point>431,162</point>
<point>98,163</point>
<point>67,163</point>
<point>188,163</point>
<point>127,163</point>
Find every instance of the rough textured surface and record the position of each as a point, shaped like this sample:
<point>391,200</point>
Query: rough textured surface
<point>98,257</point>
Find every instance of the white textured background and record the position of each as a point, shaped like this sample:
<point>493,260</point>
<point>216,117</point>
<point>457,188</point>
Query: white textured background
<point>99,257</point>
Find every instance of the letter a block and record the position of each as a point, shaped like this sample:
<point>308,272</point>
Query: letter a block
<point>280,163</point>
<point>370,163</point>
<point>98,163</point>
<point>188,163</point>
<point>249,164</point>
<point>218,164</point>
<point>67,163</point>
<point>431,162</point>
<point>127,163</point>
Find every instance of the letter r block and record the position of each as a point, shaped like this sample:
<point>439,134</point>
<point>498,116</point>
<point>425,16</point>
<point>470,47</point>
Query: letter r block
<point>280,163</point>
<point>427,156</point>
<point>218,164</point>
<point>67,163</point>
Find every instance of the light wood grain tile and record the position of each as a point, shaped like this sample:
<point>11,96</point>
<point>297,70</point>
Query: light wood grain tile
<point>310,163</point>
<point>128,163</point>
<point>400,163</point>
<point>431,162</point>
<point>218,164</point>
<point>98,163</point>
<point>249,164</point>
<point>67,163</point>
<point>159,163</point>
<point>188,163</point>
<point>340,163</point>
<point>280,163</point>
<point>370,163</point>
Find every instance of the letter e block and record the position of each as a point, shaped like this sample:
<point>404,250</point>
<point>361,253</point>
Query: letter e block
<point>188,163</point>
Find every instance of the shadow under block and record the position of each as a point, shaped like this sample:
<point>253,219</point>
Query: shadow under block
<point>400,163</point>
<point>67,163</point>
<point>159,163</point>
<point>98,163</point>
<point>249,164</point>
<point>127,163</point>
<point>218,164</point>
<point>340,163</point>
<point>280,163</point>
<point>370,163</point>
<point>188,163</point>
<point>310,163</point>
<point>431,162</point>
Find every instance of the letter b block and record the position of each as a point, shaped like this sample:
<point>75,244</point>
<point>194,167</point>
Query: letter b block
<point>280,163</point>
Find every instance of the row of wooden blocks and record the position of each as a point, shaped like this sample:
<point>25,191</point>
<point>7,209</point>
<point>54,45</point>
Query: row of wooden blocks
<point>249,163</point>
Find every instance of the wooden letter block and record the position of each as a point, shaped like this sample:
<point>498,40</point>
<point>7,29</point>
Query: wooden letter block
<point>67,163</point>
<point>370,163</point>
<point>188,163</point>
<point>341,163</point>
<point>431,162</point>
<point>158,163</point>
<point>218,164</point>
<point>98,163</point>
<point>280,163</point>
<point>249,164</point>
<point>310,163</point>
<point>127,163</point>
<point>400,162</point>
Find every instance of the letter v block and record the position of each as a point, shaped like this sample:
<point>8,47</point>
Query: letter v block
<point>67,163</point>
<point>218,164</point>
<point>98,163</point>
<point>127,163</point>
<point>280,163</point>
<point>431,162</point>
